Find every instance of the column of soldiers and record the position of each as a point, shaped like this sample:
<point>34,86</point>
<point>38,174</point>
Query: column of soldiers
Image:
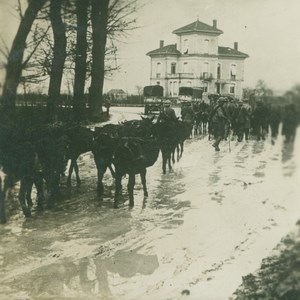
<point>234,119</point>
<point>230,118</point>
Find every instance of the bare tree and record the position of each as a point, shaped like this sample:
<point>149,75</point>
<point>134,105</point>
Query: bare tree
<point>59,56</point>
<point>139,89</point>
<point>110,18</point>
<point>15,58</point>
<point>81,58</point>
<point>99,18</point>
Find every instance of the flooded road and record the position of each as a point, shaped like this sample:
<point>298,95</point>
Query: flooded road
<point>205,224</point>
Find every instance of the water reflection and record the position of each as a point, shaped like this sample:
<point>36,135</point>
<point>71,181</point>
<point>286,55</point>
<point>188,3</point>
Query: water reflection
<point>87,278</point>
<point>167,202</point>
<point>258,147</point>
<point>288,163</point>
<point>287,151</point>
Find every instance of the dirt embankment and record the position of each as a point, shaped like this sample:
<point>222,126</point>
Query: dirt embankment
<point>279,275</point>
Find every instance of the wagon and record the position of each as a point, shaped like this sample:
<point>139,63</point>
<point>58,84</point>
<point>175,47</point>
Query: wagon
<point>153,95</point>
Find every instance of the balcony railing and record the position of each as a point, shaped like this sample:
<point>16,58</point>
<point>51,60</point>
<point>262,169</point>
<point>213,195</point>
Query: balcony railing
<point>180,75</point>
<point>205,76</point>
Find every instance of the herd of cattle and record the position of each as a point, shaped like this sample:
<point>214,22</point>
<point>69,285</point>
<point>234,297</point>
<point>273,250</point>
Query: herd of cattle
<point>39,154</point>
<point>34,156</point>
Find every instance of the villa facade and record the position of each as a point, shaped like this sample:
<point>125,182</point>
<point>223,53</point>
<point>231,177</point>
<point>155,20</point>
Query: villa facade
<point>197,60</point>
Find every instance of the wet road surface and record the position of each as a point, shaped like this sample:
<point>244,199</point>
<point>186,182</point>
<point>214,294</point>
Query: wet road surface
<point>205,224</point>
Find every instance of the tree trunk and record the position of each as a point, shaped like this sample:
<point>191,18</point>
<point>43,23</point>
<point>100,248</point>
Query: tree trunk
<point>15,58</point>
<point>59,57</point>
<point>99,18</point>
<point>80,61</point>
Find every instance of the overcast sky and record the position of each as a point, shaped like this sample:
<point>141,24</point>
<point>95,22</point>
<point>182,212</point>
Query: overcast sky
<point>267,30</point>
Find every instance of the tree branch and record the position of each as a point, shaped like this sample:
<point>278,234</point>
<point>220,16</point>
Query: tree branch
<point>35,48</point>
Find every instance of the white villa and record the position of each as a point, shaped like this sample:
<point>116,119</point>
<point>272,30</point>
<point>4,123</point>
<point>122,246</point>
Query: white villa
<point>197,60</point>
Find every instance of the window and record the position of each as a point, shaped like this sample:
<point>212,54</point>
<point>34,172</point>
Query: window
<point>175,88</point>
<point>171,88</point>
<point>219,71</point>
<point>233,72</point>
<point>205,87</point>
<point>158,70</point>
<point>205,70</point>
<point>173,68</point>
<point>232,89</point>
<point>158,82</point>
<point>186,46</point>
<point>218,88</point>
<point>185,67</point>
<point>206,46</point>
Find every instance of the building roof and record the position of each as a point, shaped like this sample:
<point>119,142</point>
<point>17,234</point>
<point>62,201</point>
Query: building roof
<point>116,91</point>
<point>166,50</point>
<point>227,51</point>
<point>197,27</point>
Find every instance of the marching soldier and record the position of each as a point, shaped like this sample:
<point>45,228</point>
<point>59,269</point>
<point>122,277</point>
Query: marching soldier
<point>275,118</point>
<point>167,114</point>
<point>242,120</point>
<point>187,113</point>
<point>219,120</point>
<point>290,122</point>
<point>259,119</point>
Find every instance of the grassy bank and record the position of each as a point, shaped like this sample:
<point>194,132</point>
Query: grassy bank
<point>279,275</point>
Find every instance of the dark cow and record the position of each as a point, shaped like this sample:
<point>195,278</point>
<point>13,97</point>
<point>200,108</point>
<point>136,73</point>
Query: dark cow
<point>19,162</point>
<point>105,143</point>
<point>166,136</point>
<point>80,141</point>
<point>128,160</point>
<point>107,138</point>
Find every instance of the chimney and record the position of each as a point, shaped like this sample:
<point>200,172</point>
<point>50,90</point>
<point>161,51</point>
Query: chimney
<point>214,23</point>
<point>161,44</point>
<point>236,46</point>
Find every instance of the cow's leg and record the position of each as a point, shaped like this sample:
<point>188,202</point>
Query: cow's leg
<point>173,149</point>
<point>164,161</point>
<point>100,188</point>
<point>178,152</point>
<point>181,148</point>
<point>70,174</point>
<point>3,192</point>
<point>143,179</point>
<point>130,188</point>
<point>111,171</point>
<point>38,182</point>
<point>169,159</point>
<point>54,179</point>
<point>25,183</point>
<point>77,172</point>
<point>118,189</point>
<point>101,168</point>
<point>28,194</point>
